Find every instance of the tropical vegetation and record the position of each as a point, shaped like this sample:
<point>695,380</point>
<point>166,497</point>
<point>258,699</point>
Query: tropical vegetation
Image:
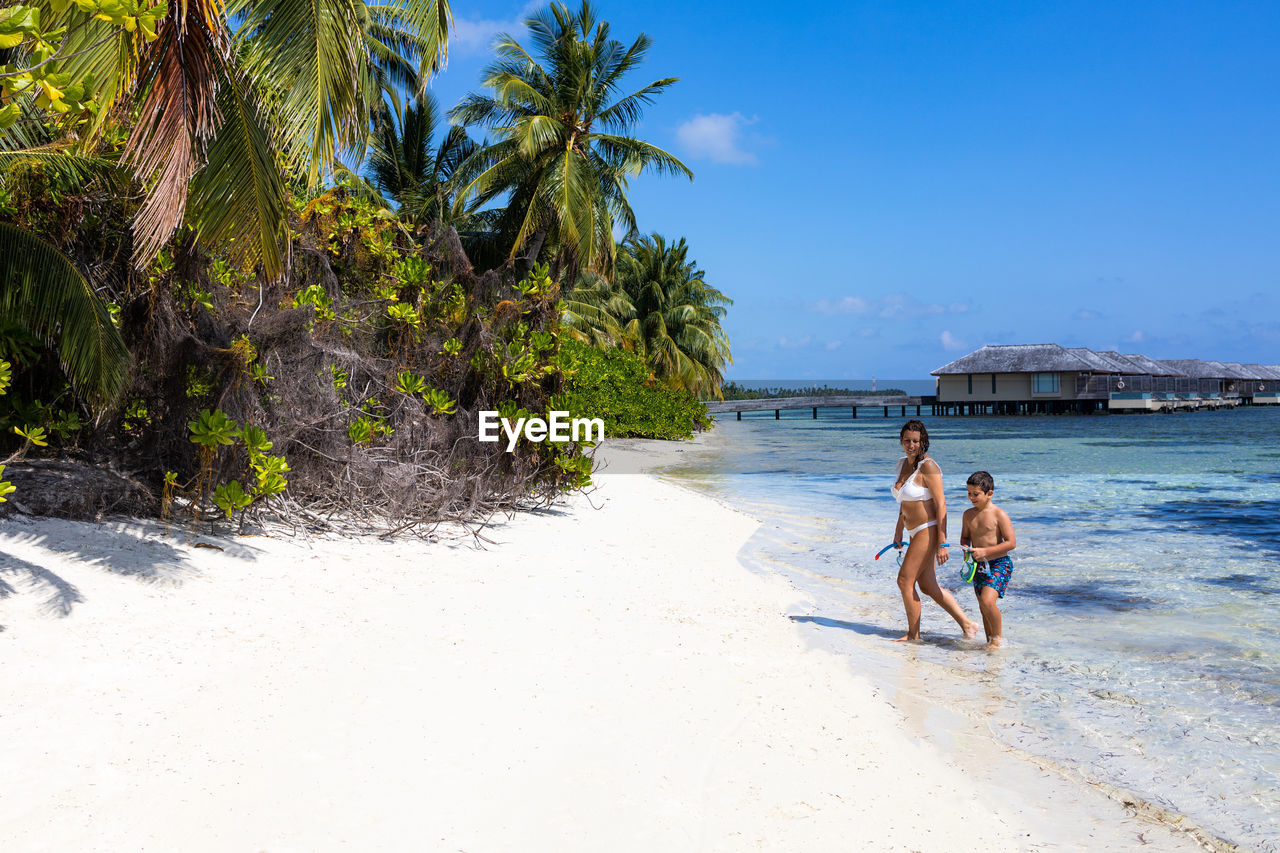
<point>243,262</point>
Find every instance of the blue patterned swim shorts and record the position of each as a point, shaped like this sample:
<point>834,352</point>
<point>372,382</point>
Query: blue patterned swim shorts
<point>994,574</point>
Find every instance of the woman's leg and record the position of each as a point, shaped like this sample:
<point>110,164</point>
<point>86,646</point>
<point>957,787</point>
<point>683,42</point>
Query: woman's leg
<point>928,580</point>
<point>917,553</point>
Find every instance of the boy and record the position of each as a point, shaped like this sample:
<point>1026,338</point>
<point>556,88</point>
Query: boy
<point>988,533</point>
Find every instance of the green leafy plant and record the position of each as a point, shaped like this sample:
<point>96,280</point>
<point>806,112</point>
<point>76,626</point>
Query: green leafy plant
<point>575,469</point>
<point>404,314</point>
<point>453,346</point>
<point>66,425</point>
<point>255,440</point>
<point>230,498</point>
<point>439,402</point>
<point>199,382</point>
<point>33,435</point>
<point>6,488</point>
<point>616,386</point>
<point>340,377</point>
<point>193,294</point>
<point>408,382</point>
<point>213,429</point>
<point>315,296</point>
<point>135,415</point>
<point>537,282</point>
<point>413,271</point>
<point>361,430</point>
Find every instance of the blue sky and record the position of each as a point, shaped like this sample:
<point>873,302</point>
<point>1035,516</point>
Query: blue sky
<point>884,187</point>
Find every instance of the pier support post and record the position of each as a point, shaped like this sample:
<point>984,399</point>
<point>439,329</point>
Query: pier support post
<point>886,411</point>
<point>739,415</point>
<point>777,414</point>
<point>854,411</point>
<point>815,413</point>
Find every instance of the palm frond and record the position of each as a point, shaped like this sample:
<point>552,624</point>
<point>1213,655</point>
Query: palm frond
<point>239,195</point>
<point>179,115</point>
<point>306,52</point>
<point>43,290</point>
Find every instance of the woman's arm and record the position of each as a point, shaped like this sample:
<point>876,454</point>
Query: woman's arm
<point>933,482</point>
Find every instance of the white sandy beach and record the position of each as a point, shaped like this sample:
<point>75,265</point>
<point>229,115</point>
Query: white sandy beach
<point>605,679</point>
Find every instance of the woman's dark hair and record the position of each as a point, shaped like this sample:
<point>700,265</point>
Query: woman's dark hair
<point>916,425</point>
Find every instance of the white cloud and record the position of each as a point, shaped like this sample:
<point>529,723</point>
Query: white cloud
<point>1086,314</point>
<point>717,137</point>
<point>788,343</point>
<point>869,333</point>
<point>848,305</point>
<point>1136,338</point>
<point>834,345</point>
<point>894,305</point>
<point>951,342</point>
<point>474,36</point>
<point>888,307</point>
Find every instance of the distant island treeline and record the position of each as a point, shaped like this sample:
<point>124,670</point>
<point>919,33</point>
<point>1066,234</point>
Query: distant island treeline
<point>734,391</point>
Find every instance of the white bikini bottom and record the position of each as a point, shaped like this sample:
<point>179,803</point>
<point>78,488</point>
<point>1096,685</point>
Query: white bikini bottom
<point>913,531</point>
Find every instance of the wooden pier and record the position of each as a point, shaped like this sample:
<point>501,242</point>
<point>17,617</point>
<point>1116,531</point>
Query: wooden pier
<point>899,406</point>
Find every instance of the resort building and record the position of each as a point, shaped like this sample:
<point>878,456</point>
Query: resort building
<point>1052,378</point>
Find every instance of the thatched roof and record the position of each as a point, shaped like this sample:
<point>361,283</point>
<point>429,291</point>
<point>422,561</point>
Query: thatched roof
<point>1245,371</point>
<point>1152,367</point>
<point>1195,368</point>
<point>1047,358</point>
<point>1124,363</point>
<point>1264,371</point>
<point>1098,362</point>
<point>1231,370</point>
<point>1019,358</point>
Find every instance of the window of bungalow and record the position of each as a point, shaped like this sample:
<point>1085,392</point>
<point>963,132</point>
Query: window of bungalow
<point>1044,383</point>
<point>970,383</point>
<point>993,383</point>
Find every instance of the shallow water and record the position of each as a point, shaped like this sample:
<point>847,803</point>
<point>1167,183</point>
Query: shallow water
<point>1144,611</point>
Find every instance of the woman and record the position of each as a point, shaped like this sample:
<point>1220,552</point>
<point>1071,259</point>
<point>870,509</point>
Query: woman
<point>922,512</point>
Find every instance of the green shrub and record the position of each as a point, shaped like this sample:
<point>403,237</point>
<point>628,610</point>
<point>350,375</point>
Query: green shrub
<point>615,386</point>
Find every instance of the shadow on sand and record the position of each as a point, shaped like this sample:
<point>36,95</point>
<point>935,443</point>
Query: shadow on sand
<point>946,641</point>
<point>141,550</point>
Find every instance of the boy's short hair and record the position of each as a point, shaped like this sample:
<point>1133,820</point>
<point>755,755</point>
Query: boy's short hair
<point>982,480</point>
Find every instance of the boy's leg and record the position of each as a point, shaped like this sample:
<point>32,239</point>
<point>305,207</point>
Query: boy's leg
<point>986,623</point>
<point>989,602</point>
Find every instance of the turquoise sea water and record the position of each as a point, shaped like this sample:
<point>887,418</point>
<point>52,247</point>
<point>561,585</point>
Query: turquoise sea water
<point>1143,617</point>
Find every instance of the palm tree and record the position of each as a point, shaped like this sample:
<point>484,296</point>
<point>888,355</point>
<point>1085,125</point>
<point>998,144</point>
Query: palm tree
<point>218,113</point>
<point>677,314</point>
<point>563,151</point>
<point>407,170</point>
<point>595,311</point>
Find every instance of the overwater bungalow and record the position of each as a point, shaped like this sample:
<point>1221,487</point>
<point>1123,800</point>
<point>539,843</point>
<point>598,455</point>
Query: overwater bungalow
<point>1023,378</point>
<point>1051,378</point>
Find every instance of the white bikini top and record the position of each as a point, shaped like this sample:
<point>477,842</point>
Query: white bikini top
<point>911,490</point>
